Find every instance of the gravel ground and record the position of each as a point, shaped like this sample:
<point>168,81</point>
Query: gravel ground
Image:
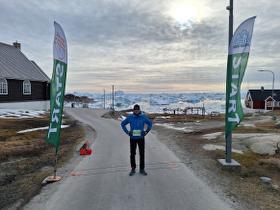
<point>242,187</point>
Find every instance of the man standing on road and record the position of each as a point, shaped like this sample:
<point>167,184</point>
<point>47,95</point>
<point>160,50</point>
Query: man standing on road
<point>137,134</point>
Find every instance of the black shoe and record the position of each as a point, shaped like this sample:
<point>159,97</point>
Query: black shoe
<point>132,172</point>
<point>143,172</point>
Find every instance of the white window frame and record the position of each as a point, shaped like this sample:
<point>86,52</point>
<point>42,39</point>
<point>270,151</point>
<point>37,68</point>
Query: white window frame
<point>26,85</point>
<point>3,86</point>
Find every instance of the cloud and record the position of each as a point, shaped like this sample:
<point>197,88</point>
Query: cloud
<point>137,45</point>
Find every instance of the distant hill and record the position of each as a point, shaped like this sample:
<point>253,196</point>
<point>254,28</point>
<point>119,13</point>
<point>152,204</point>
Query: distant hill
<point>80,99</point>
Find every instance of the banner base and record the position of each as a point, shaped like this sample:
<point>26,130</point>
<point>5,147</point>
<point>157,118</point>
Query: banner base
<point>233,165</point>
<point>51,179</point>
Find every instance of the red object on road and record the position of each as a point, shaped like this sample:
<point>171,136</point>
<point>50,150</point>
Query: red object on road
<point>85,151</point>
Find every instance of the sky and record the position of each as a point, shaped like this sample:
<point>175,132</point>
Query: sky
<point>145,45</point>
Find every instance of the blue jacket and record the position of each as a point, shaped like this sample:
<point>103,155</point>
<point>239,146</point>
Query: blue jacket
<point>137,123</point>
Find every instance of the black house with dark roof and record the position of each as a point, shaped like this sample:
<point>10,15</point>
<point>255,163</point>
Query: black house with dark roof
<point>262,99</point>
<point>23,84</point>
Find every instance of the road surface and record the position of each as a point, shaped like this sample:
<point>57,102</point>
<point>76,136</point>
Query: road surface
<point>102,180</point>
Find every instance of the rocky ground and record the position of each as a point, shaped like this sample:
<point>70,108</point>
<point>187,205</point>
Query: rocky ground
<point>199,142</point>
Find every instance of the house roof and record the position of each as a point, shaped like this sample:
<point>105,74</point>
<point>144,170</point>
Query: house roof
<point>15,65</point>
<point>261,95</point>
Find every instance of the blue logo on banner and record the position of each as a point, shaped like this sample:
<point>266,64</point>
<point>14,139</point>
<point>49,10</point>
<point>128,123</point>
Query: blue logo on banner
<point>242,39</point>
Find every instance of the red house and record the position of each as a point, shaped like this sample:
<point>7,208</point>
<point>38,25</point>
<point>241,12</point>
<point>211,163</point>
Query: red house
<point>262,99</point>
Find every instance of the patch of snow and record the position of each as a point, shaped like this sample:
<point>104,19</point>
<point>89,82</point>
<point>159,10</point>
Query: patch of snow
<point>211,147</point>
<point>248,124</point>
<point>121,118</point>
<point>163,117</point>
<point>211,136</point>
<point>172,126</point>
<point>250,138</point>
<point>260,143</point>
<point>40,128</point>
<point>20,114</point>
<point>264,148</point>
<point>265,179</point>
<point>247,110</point>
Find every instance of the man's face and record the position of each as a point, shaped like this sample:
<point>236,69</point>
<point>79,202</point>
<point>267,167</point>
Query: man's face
<point>136,111</point>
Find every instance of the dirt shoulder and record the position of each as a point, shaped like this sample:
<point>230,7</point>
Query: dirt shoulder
<point>243,187</point>
<point>26,159</point>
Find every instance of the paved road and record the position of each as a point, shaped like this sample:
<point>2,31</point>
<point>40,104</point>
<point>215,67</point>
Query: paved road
<point>103,182</point>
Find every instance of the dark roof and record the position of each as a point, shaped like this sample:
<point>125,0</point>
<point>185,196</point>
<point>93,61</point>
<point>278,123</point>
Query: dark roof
<point>15,65</point>
<point>261,95</point>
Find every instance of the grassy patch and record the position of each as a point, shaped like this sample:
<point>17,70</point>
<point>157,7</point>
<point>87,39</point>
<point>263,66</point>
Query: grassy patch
<point>248,159</point>
<point>26,159</point>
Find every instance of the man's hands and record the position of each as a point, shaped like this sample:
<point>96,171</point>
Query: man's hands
<point>144,133</point>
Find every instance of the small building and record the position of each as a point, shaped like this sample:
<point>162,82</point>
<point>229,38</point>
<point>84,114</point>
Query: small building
<point>23,84</point>
<point>262,99</point>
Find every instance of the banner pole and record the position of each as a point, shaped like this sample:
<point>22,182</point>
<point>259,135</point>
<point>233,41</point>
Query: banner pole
<point>55,164</point>
<point>57,93</point>
<point>238,55</point>
<point>228,147</point>
<point>229,134</point>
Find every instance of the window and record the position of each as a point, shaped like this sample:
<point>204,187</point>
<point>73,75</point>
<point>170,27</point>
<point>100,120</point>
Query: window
<point>3,86</point>
<point>26,87</point>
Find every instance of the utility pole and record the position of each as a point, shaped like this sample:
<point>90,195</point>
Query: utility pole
<point>113,97</point>
<point>104,100</point>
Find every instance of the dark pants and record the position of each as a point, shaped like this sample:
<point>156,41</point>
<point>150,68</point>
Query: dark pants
<point>141,146</point>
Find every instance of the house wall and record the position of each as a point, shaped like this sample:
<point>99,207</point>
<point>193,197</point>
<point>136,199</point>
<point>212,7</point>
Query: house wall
<point>275,108</point>
<point>259,105</point>
<point>248,101</point>
<point>249,104</point>
<point>39,91</point>
<point>27,105</point>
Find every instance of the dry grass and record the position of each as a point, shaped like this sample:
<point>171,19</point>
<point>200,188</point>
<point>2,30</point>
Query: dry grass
<point>273,163</point>
<point>172,117</point>
<point>26,159</point>
<point>183,118</point>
